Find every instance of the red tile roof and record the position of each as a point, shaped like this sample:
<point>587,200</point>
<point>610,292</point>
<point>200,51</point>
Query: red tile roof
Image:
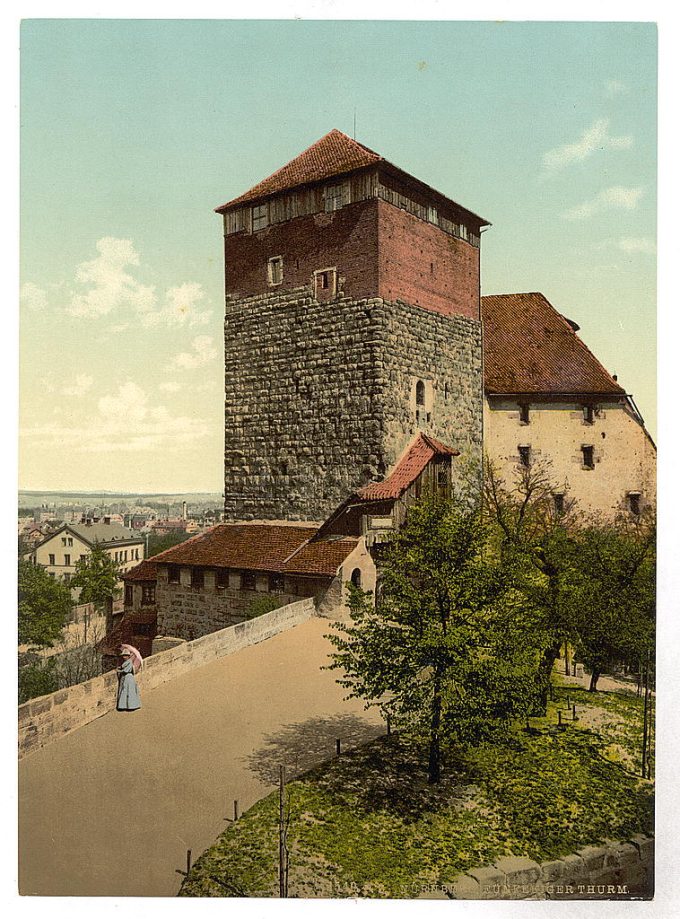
<point>145,571</point>
<point>260,547</point>
<point>413,461</point>
<point>531,348</point>
<point>335,154</point>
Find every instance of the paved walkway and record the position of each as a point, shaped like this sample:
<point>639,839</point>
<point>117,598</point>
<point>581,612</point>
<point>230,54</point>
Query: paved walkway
<point>111,809</point>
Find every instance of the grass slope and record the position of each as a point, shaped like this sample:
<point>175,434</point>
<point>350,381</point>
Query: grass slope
<point>368,824</point>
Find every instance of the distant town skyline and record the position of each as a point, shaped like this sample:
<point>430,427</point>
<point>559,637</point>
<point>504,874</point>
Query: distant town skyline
<point>133,131</point>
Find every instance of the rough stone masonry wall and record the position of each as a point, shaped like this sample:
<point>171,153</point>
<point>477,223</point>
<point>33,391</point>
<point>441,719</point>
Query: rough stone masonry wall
<point>616,870</point>
<point>317,396</point>
<point>189,612</point>
<point>47,718</point>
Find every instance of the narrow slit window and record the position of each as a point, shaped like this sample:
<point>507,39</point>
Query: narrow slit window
<point>524,416</point>
<point>275,270</point>
<point>588,453</point>
<point>197,577</point>
<point>634,502</point>
<point>420,393</point>
<point>173,574</point>
<point>588,414</point>
<point>524,456</point>
<point>222,578</point>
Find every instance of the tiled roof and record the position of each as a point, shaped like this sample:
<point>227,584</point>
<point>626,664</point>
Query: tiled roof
<point>414,460</point>
<point>531,348</point>
<point>335,154</point>
<point>145,571</point>
<point>260,547</point>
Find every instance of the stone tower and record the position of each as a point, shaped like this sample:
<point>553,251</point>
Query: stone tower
<point>352,322</point>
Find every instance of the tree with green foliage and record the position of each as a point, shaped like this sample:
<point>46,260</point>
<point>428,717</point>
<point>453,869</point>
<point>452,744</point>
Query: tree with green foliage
<point>446,650</point>
<point>44,606</point>
<point>156,544</point>
<point>97,576</point>
<point>613,595</point>
<point>533,537</point>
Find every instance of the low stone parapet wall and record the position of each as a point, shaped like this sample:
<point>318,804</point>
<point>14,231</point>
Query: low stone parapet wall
<point>613,871</point>
<point>47,718</point>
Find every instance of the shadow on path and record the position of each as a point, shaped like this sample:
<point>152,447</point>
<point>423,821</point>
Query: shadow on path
<point>301,746</point>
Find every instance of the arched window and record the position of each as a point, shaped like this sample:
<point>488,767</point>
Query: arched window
<point>356,577</point>
<point>420,393</point>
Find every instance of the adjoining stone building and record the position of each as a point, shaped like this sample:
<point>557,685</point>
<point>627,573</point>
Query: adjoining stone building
<point>549,400</point>
<point>220,577</point>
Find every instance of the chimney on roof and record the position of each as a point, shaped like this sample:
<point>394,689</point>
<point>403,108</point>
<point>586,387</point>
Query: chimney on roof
<point>184,510</point>
<point>615,377</point>
<point>107,520</point>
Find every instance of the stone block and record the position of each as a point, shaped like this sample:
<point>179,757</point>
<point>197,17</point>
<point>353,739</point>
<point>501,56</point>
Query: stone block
<point>644,845</point>
<point>621,855</point>
<point>593,857</point>
<point>466,888</point>
<point>553,871</point>
<point>491,882</point>
<point>573,867</point>
<point>519,870</point>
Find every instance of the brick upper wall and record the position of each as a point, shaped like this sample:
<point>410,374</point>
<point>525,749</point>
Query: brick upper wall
<point>379,250</point>
<point>346,239</point>
<point>423,266</point>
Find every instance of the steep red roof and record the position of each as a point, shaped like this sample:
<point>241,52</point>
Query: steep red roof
<point>531,348</point>
<point>260,547</point>
<point>413,461</point>
<point>145,571</point>
<point>335,154</point>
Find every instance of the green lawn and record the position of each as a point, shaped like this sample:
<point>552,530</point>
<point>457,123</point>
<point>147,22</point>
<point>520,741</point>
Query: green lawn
<point>368,824</point>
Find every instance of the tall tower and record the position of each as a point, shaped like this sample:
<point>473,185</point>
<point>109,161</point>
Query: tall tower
<point>352,322</point>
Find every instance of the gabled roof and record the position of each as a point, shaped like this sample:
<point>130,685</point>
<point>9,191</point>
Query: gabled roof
<point>412,462</point>
<point>277,548</point>
<point>335,154</point>
<point>531,348</point>
<point>97,532</point>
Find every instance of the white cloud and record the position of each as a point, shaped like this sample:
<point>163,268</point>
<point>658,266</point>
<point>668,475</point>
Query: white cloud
<point>169,386</point>
<point>80,385</point>
<point>638,244</point>
<point>124,423</point>
<point>618,197</point>
<point>33,297</point>
<point>181,307</point>
<point>107,284</point>
<point>203,352</point>
<point>614,88</point>
<point>594,138</point>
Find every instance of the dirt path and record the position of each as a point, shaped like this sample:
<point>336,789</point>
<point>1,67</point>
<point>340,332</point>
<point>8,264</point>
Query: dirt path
<point>111,809</point>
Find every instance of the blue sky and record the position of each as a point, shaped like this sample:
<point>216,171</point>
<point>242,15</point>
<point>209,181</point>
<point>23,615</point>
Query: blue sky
<point>133,131</point>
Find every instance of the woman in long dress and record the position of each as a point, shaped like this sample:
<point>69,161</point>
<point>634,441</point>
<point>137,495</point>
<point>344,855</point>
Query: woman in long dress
<point>128,691</point>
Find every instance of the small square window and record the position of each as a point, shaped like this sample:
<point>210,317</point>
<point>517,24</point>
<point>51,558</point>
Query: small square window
<point>260,216</point>
<point>52,561</point>
<point>524,413</point>
<point>173,574</point>
<point>248,580</point>
<point>222,579</point>
<point>276,583</point>
<point>67,559</point>
<point>197,577</point>
<point>524,456</point>
<point>334,197</point>
<point>634,502</point>
<point>588,457</point>
<point>275,270</point>
<point>588,414</point>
